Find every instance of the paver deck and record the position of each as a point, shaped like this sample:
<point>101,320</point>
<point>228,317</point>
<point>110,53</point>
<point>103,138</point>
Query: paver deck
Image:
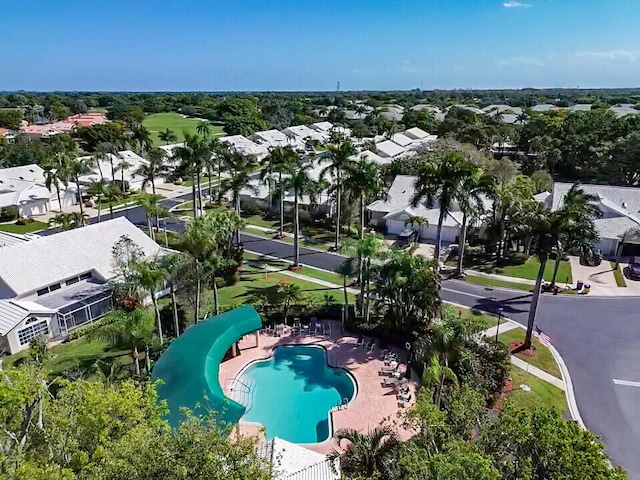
<point>373,404</point>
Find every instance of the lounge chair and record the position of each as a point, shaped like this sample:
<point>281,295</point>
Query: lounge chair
<point>405,397</point>
<point>360,341</point>
<point>388,370</point>
<point>403,403</point>
<point>390,382</point>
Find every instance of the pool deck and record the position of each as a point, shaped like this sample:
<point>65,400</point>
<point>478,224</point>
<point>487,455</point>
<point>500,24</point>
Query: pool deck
<point>373,405</point>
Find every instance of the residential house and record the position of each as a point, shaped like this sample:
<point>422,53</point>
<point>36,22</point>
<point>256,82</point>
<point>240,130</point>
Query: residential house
<point>620,212</point>
<point>24,187</point>
<point>272,138</point>
<point>303,134</point>
<point>59,282</point>
<point>396,207</point>
<point>401,139</point>
<point>244,146</point>
<point>370,156</point>
<point>7,134</point>
<point>125,166</point>
<point>389,149</point>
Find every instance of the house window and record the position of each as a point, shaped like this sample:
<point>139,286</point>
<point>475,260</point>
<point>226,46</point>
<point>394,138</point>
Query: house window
<point>71,281</point>
<point>54,287</point>
<point>85,276</point>
<point>27,334</point>
<point>43,291</point>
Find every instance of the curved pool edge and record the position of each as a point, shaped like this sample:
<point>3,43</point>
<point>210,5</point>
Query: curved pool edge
<point>350,375</point>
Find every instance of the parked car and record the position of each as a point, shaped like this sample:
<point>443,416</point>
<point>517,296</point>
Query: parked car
<point>406,237</point>
<point>633,271</point>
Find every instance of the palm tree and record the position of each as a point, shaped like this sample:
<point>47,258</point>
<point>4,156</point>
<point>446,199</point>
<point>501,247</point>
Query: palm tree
<point>416,221</point>
<point>435,374</point>
<point>156,158</point>
<point>170,265</point>
<point>239,180</point>
<point>75,167</point>
<point>150,277</point>
<point>77,219</point>
<point>279,161</point>
<point>470,199</point>
<point>98,188</point>
<point>61,221</point>
<point>340,161</point>
<point>439,182</point>
<point>132,330</point>
<point>302,186</point>
<point>288,294</point>
<point>367,454</point>
<point>143,137</point>
<point>364,181</point>
<point>122,166</point>
<point>111,193</point>
<point>346,271</point>
<point>167,136</point>
<point>55,174</point>
<point>152,209</point>
<point>212,162</point>
<point>204,129</point>
<point>193,155</point>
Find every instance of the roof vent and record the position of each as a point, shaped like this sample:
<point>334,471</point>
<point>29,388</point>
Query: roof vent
<point>624,204</point>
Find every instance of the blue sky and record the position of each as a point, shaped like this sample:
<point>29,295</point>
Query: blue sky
<point>211,45</point>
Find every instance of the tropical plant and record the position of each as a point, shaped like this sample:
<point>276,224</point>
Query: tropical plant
<point>167,136</point>
<point>56,174</point>
<point>98,188</point>
<point>150,277</point>
<point>280,161</point>
<point>153,169</point>
<point>439,182</point>
<point>346,270</point>
<point>132,330</point>
<point>204,129</point>
<point>152,209</point>
<point>239,179</point>
<point>434,377</point>
<point>339,163</point>
<point>363,180</point>
<point>367,455</point>
<point>170,264</point>
<point>288,294</point>
<point>416,221</point>
<point>303,185</point>
<point>193,154</point>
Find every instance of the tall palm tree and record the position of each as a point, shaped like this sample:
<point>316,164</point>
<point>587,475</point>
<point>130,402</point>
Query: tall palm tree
<point>367,454</point>
<point>211,162</point>
<point>170,265</point>
<point>98,188</point>
<point>111,193</point>
<point>239,180</point>
<point>55,173</point>
<point>167,136</point>
<point>150,277</point>
<point>77,219</point>
<point>302,185</point>
<point>193,155</point>
<point>571,224</point>
<point>279,162</point>
<point>142,136</point>
<point>474,188</point>
<point>439,182</point>
<point>416,221</point>
<point>363,180</point>
<point>61,221</point>
<point>132,330</point>
<point>156,157</point>
<point>75,167</point>
<point>340,161</point>
<point>346,271</point>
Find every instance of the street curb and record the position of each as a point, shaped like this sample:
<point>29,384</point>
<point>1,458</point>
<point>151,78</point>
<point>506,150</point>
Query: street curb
<point>244,232</point>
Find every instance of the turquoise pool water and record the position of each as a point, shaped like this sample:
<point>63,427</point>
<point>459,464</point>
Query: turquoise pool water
<point>293,391</point>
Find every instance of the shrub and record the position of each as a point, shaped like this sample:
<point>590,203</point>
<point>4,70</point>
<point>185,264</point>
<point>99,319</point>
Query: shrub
<point>85,329</point>
<point>252,208</point>
<point>24,221</point>
<point>178,181</point>
<point>9,213</point>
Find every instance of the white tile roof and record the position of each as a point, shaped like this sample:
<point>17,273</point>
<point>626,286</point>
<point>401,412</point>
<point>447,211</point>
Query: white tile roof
<point>273,138</point>
<point>401,140</point>
<point>370,156</point>
<point>12,312</point>
<point>245,146</point>
<point>294,462</point>
<point>134,161</point>
<point>26,173</point>
<point>322,126</point>
<point>389,149</point>
<point>416,133</point>
<point>303,132</point>
<point>29,266</point>
<point>398,197</point>
<point>7,239</point>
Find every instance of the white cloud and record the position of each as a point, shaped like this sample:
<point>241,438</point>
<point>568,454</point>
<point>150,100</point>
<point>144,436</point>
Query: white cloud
<point>616,55</point>
<point>516,4</point>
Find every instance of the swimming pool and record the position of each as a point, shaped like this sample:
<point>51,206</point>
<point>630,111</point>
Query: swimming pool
<point>293,391</point>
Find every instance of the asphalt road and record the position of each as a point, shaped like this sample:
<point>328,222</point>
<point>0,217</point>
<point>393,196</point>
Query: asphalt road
<point>597,338</point>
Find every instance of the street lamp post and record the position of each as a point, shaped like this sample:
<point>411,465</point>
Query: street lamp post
<point>499,318</point>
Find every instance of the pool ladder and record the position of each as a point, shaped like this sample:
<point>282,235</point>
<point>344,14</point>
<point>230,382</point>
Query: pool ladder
<point>341,405</point>
<point>240,392</point>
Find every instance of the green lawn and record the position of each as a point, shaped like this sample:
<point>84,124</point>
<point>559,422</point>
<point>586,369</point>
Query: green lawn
<point>76,353</point>
<point>543,360</point>
<point>29,228</point>
<point>323,275</point>
<point>530,268</point>
<point>619,276</point>
<point>486,319</point>
<point>542,393</point>
<point>492,282</point>
<point>177,123</point>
